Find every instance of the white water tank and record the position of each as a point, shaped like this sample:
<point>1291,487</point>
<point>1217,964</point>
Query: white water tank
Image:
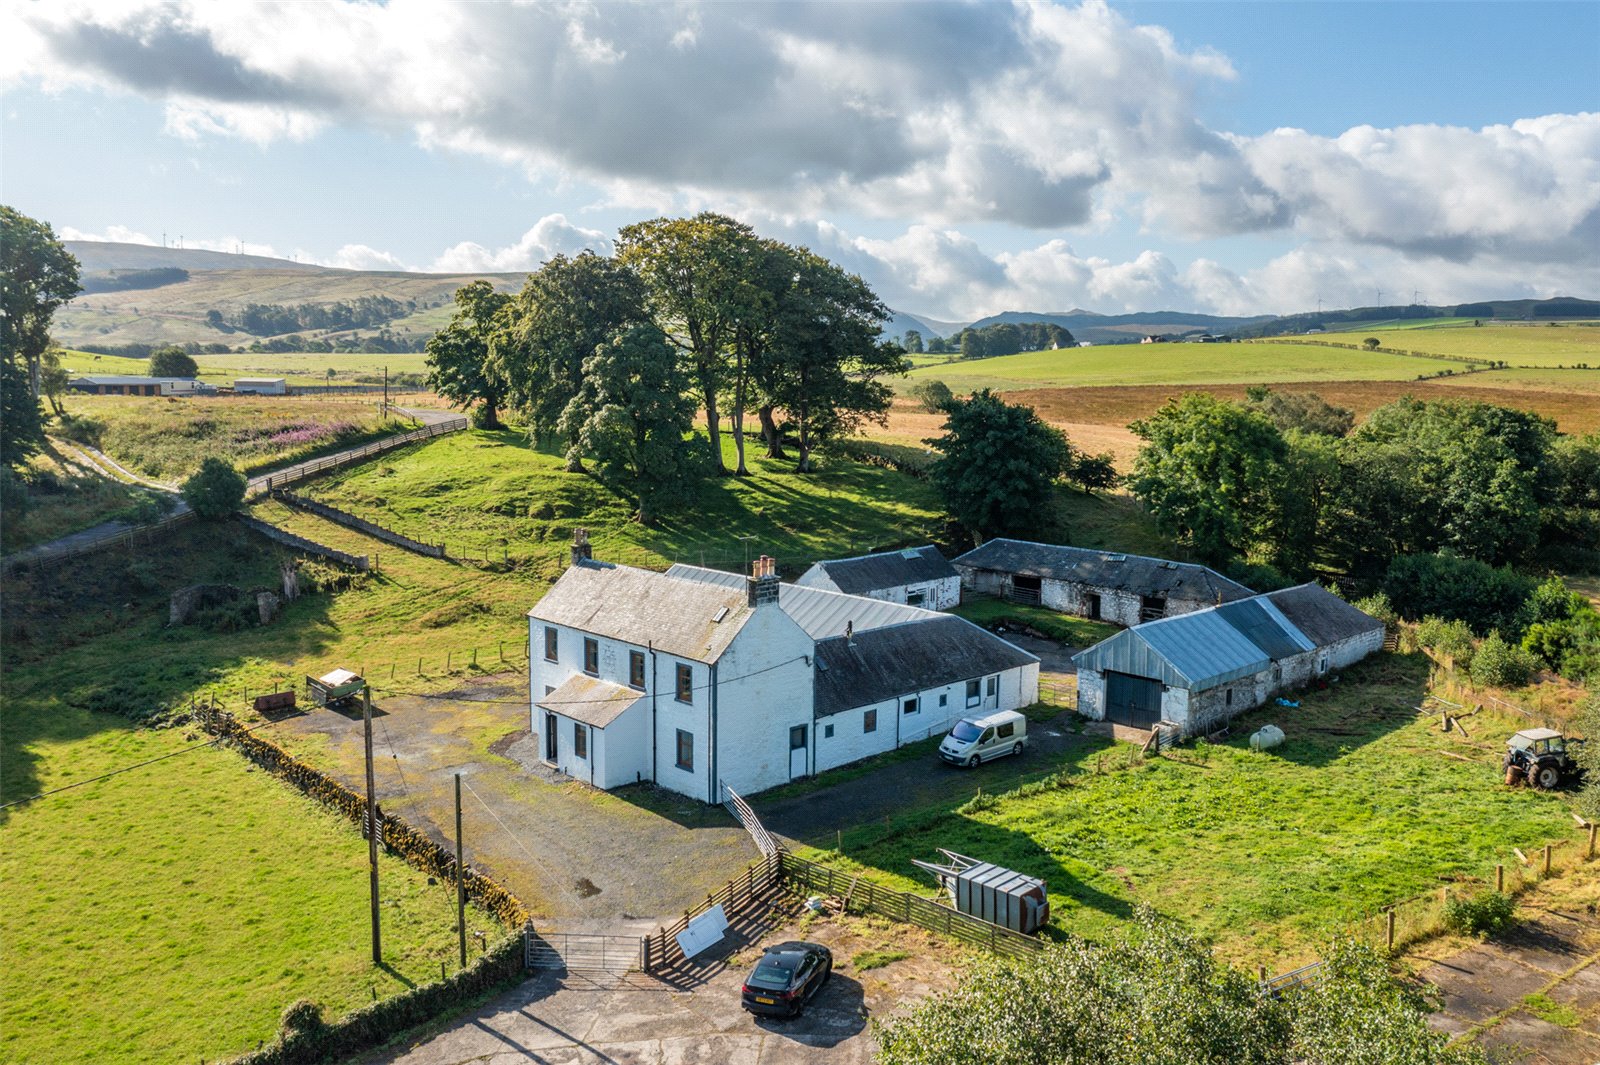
<point>1266,736</point>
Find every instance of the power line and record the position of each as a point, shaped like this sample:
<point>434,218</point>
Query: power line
<point>130,768</point>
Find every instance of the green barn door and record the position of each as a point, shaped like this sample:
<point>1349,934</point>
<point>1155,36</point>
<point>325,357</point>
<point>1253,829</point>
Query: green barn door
<point>1132,700</point>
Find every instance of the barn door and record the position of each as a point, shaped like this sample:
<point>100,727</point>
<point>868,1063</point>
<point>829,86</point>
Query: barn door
<point>1131,700</point>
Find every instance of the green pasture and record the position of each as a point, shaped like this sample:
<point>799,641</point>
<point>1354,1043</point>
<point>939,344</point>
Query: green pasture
<point>1153,364</point>
<point>171,912</point>
<point>296,367</point>
<point>1532,344</point>
<point>1269,853</point>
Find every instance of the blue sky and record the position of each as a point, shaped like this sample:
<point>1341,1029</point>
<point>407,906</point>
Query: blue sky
<point>966,159</point>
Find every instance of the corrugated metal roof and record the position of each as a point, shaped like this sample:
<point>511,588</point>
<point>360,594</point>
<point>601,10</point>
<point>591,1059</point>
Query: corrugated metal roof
<point>895,660</point>
<point>1105,569</point>
<point>820,612</point>
<point>133,379</point>
<point>590,700</point>
<point>885,569</point>
<point>1202,649</point>
<point>643,607</point>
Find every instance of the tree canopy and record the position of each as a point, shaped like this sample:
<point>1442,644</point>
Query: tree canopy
<point>172,361</point>
<point>37,275</point>
<point>459,368</point>
<point>215,490</point>
<point>998,464</point>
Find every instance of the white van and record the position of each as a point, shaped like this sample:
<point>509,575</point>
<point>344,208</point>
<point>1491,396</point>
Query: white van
<point>978,739</point>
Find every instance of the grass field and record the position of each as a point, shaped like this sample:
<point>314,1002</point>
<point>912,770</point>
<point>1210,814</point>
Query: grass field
<point>66,494</point>
<point>1532,344</point>
<point>1073,631</point>
<point>295,367</point>
<point>1141,364</point>
<point>167,438</point>
<point>185,938</point>
<point>1267,853</point>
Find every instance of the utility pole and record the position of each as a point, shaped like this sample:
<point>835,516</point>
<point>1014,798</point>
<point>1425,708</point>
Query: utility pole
<point>461,881</point>
<point>372,825</point>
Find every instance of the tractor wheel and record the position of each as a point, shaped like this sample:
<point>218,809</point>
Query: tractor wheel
<point>1547,777</point>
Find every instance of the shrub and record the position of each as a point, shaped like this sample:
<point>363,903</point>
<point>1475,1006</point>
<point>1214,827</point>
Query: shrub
<point>216,490</point>
<point>1498,664</point>
<point>1452,587</point>
<point>1377,605</point>
<point>1451,638</point>
<point>1481,915</point>
<point>932,394</point>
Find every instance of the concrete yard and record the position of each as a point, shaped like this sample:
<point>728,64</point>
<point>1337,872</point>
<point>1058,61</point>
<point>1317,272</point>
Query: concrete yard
<point>694,1018</point>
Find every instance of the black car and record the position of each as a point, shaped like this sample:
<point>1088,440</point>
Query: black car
<point>786,978</point>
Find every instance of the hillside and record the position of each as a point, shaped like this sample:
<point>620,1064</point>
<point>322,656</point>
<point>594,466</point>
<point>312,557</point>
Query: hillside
<point>1122,328</point>
<point>176,313</point>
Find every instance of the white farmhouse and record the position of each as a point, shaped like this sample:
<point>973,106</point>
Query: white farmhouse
<point>916,576</point>
<point>697,678</point>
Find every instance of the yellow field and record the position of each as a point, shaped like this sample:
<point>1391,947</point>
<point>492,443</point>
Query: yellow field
<point>1532,344</point>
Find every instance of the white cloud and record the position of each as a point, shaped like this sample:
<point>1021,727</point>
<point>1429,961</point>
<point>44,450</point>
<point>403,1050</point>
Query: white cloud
<point>361,257</point>
<point>550,236</point>
<point>115,234</point>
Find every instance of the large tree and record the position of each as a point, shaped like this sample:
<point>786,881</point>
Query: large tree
<point>823,359</point>
<point>566,309</point>
<point>172,361</point>
<point>1211,473</point>
<point>697,273</point>
<point>632,416</point>
<point>37,275</point>
<point>459,368</point>
<point>1154,995</point>
<point>998,465</point>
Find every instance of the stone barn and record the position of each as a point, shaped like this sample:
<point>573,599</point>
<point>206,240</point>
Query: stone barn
<point>1197,670</point>
<point>1106,586</point>
<point>916,576</point>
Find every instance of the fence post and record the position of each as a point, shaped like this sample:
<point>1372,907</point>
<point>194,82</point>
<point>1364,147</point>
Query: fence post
<point>1592,827</point>
<point>1500,878</point>
<point>1389,935</point>
<point>1547,850</point>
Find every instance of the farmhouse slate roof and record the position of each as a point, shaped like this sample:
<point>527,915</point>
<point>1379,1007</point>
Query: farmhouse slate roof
<point>1209,647</point>
<point>590,700</point>
<point>642,607</point>
<point>820,612</point>
<point>1321,615</point>
<point>895,660</point>
<point>885,569</point>
<point>1105,569</point>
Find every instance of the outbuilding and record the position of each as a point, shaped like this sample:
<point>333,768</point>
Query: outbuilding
<point>133,385</point>
<point>1107,586</point>
<point>261,386</point>
<point>916,576</point>
<point>1196,671</point>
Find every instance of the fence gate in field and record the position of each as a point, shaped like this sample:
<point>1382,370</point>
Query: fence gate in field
<point>582,952</point>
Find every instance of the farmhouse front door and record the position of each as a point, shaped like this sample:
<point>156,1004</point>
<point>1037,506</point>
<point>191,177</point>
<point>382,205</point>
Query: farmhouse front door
<point>797,751</point>
<point>550,752</point>
<point>1132,700</point>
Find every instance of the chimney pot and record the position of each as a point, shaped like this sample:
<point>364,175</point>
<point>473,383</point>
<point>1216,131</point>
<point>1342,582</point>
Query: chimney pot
<point>763,581</point>
<point>581,550</point>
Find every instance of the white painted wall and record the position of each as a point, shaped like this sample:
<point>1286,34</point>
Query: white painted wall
<point>764,688</point>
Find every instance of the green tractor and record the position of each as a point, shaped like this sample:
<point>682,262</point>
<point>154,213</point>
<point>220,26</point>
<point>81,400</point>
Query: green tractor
<point>1542,757</point>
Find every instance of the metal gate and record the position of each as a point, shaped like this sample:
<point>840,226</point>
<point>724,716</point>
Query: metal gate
<point>1131,700</point>
<point>582,952</point>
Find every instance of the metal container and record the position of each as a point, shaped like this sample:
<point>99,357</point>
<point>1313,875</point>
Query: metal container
<point>993,893</point>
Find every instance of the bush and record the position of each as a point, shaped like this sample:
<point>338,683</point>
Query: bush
<point>932,394</point>
<point>216,490</point>
<point>1481,915</point>
<point>1450,638</point>
<point>1377,605</point>
<point>172,362</point>
<point>1448,586</point>
<point>1498,664</point>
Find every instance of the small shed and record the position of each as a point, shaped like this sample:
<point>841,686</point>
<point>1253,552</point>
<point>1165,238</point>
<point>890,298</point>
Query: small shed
<point>261,386</point>
<point>915,576</point>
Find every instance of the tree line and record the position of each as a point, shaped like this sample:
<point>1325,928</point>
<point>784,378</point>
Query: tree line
<point>273,319</point>
<point>608,358</point>
<point>1002,338</point>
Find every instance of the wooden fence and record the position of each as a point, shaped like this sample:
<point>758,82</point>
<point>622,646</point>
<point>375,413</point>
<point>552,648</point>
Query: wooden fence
<point>125,538</point>
<point>861,894</point>
<point>304,471</point>
<point>741,898</point>
<point>361,525</point>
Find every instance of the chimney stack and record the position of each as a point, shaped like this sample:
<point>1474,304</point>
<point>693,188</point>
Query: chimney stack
<point>581,551</point>
<point>763,583</point>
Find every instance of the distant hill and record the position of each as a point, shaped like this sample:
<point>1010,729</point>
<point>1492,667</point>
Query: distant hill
<point>174,291</point>
<point>1123,328</point>
<point>1354,317</point>
<point>97,256</point>
<point>900,321</point>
